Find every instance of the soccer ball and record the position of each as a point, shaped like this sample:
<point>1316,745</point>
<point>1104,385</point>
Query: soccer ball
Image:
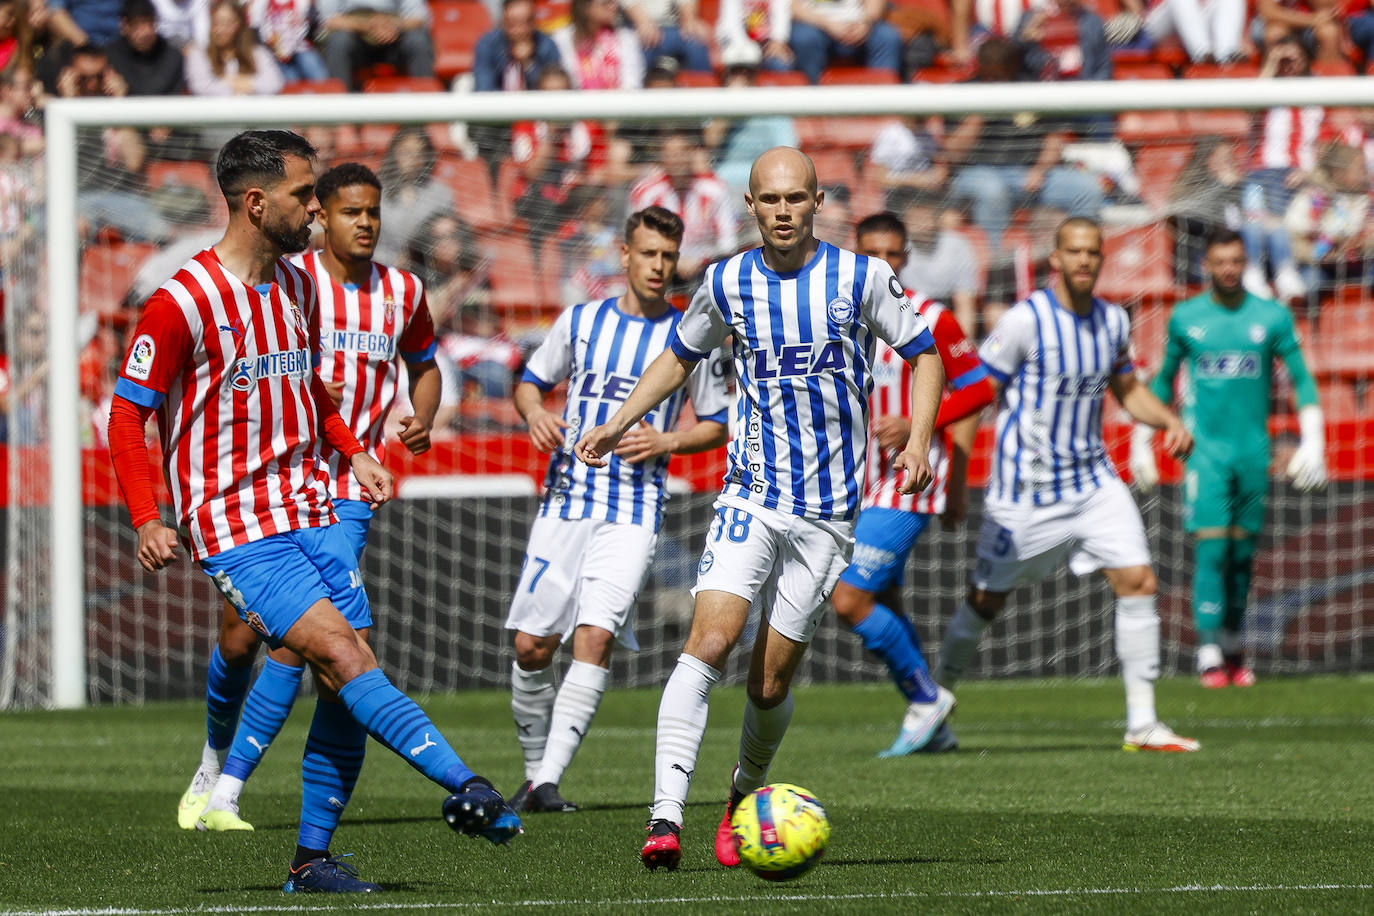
<point>781,831</point>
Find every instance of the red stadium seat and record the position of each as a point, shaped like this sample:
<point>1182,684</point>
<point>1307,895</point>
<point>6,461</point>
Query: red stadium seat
<point>470,181</point>
<point>1148,126</point>
<point>1342,344</point>
<point>708,10</point>
<point>1158,166</point>
<point>550,15</point>
<point>1137,266</point>
<point>315,87</point>
<point>193,175</point>
<point>1149,323</point>
<point>858,76</point>
<point>1237,71</point>
<point>1332,68</point>
<point>386,84</point>
<point>940,75</point>
<point>515,284</point>
<point>837,133</point>
<point>778,78</point>
<point>1147,70</point>
<point>836,167</point>
<point>1338,400</point>
<point>458,24</point>
<point>693,79</point>
<point>1221,123</point>
<point>107,273</point>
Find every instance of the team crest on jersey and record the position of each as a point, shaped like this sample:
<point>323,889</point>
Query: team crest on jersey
<point>255,622</point>
<point>708,560</point>
<point>297,315</point>
<point>389,308</point>
<point>1257,333</point>
<point>140,364</point>
<point>841,310</point>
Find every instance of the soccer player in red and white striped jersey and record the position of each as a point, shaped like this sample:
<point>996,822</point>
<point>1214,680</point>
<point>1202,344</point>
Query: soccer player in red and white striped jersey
<point>701,199</point>
<point>891,521</point>
<point>370,316</point>
<point>224,353</point>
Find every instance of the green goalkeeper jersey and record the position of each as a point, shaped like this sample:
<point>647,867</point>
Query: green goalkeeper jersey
<point>1230,357</point>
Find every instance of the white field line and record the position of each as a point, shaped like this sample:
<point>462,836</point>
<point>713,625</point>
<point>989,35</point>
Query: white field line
<point>379,906</point>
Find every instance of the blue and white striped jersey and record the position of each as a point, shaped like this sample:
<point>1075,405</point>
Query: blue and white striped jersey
<point>602,352</point>
<point>803,346</point>
<point>1054,367</point>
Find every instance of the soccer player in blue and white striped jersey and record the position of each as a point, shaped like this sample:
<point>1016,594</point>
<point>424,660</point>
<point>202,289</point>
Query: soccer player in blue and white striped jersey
<point>1054,493</point>
<point>803,319</point>
<point>590,547</point>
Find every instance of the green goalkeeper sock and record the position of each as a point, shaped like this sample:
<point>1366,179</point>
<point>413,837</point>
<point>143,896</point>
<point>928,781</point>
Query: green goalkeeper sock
<point>1240,569</point>
<point>1209,588</point>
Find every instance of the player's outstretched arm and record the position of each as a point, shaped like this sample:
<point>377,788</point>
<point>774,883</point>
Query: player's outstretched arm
<point>665,375</point>
<point>1144,407</point>
<point>425,386</point>
<point>546,427</point>
<point>927,387</point>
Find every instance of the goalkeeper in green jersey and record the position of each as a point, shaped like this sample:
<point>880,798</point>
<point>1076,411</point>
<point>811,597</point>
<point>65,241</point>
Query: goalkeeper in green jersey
<point>1229,339</point>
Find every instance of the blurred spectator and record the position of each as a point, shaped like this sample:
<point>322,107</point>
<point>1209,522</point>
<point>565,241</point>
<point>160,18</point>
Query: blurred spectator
<point>411,195</point>
<point>854,31</point>
<point>835,218</point>
<point>739,141</point>
<point>590,247</point>
<point>763,25</point>
<point>597,52</point>
<point>1089,59</point>
<point>552,158</point>
<point>1328,221</point>
<point>359,33</point>
<point>485,358</point>
<point>940,262</point>
<point>444,255</point>
<point>637,142</point>
<point>671,28</point>
<point>285,26</point>
<point>1007,161</point>
<point>1361,27</point>
<point>512,55</point>
<point>973,21</point>
<point>16,37</point>
<point>903,156</point>
<point>149,64</point>
<point>1205,197</point>
<point>20,115</point>
<point>684,184</point>
<point>1316,24</point>
<point>22,402</point>
<point>1211,30</point>
<point>183,22</point>
<point>83,22</point>
<point>234,62</point>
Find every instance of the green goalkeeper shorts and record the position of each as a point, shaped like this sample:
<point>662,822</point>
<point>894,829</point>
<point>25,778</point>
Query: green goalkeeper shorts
<point>1225,494</point>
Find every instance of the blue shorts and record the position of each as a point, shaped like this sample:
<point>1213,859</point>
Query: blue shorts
<point>882,539</point>
<point>355,518</point>
<point>273,581</point>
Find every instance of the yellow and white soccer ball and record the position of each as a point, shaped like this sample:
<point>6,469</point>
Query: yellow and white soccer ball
<point>781,830</point>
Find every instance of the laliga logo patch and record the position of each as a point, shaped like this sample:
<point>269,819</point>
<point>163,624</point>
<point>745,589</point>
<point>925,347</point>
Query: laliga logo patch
<point>708,560</point>
<point>242,378</point>
<point>140,364</point>
<point>1257,333</point>
<point>841,310</point>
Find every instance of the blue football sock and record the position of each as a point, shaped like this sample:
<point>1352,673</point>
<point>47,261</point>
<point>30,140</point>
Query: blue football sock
<point>396,721</point>
<point>267,706</point>
<point>225,688</point>
<point>329,771</point>
<point>885,635</point>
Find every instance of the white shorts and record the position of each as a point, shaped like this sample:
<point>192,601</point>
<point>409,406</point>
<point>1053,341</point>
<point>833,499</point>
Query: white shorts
<point>1020,542</point>
<point>581,572</point>
<point>784,565</point>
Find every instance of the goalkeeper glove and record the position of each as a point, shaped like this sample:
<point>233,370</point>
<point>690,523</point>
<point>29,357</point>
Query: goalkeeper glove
<point>1143,468</point>
<point>1307,469</point>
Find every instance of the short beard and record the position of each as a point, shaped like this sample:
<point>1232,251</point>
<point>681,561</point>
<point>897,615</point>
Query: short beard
<point>289,242</point>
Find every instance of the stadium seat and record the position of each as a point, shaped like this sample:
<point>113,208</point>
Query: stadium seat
<point>385,84</point>
<point>315,87</point>
<point>1149,322</point>
<point>1342,342</point>
<point>780,78</point>
<point>1338,399</point>
<point>835,167</point>
<point>470,181</point>
<point>837,133</point>
<point>1145,70</point>
<point>1158,166</point>
<point>551,15</point>
<point>940,75</point>
<point>196,175</point>
<point>1134,127</point>
<point>858,76</point>
<point>515,285</point>
<point>457,26</point>
<point>1240,70</point>
<point>1332,68</point>
<point>1138,265</point>
<point>107,273</point>
<point>374,138</point>
<point>693,79</point>
<point>708,10</point>
<point>1220,123</point>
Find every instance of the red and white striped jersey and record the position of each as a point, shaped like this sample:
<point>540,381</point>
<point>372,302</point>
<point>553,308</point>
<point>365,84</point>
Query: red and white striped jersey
<point>892,397</point>
<point>362,331</point>
<point>228,368</point>
<point>1289,138</point>
<point>708,221</point>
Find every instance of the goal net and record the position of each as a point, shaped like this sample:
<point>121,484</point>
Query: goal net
<point>511,207</point>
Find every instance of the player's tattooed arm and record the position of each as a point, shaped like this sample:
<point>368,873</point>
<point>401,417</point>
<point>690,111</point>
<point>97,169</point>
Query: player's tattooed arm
<point>546,427</point>
<point>665,374</point>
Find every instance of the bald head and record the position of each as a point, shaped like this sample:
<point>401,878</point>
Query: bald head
<point>783,165</point>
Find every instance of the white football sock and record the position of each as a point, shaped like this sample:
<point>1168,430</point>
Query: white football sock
<point>531,703</point>
<point>578,697</point>
<point>681,726</point>
<point>957,649</point>
<point>1137,646</point>
<point>208,772</point>
<point>758,742</point>
<point>226,794</point>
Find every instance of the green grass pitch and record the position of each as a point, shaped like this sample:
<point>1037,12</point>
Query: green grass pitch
<point>1039,810</point>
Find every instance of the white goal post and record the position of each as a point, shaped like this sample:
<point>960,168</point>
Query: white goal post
<point>67,649</point>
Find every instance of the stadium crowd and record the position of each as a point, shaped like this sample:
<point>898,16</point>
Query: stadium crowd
<point>545,200</point>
